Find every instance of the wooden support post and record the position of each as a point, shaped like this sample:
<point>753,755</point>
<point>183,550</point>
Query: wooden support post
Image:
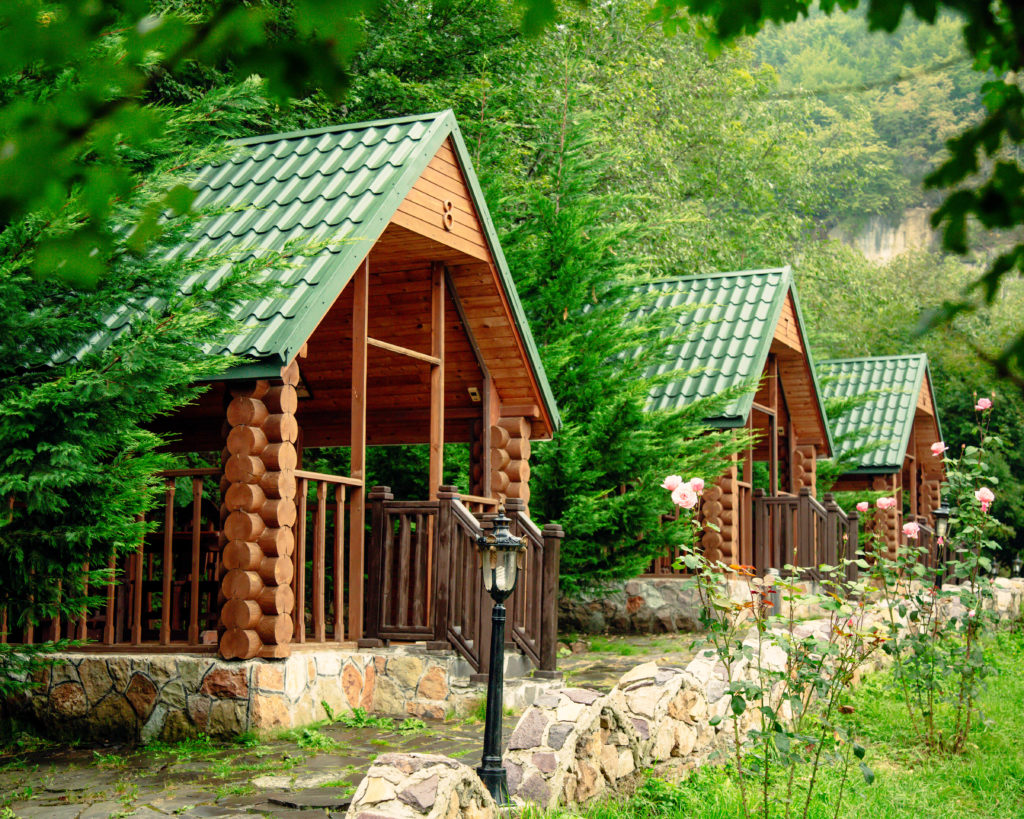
<point>437,302</point>
<point>357,505</point>
<point>442,567</point>
<point>193,600</point>
<point>553,534</point>
<point>370,638</point>
<point>168,563</point>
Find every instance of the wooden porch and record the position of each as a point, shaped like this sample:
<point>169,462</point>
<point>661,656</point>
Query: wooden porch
<point>399,324</point>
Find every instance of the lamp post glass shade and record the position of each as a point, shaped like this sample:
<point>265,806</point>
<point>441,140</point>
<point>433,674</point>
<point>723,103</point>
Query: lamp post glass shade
<point>941,516</point>
<point>499,552</point>
<point>1017,563</point>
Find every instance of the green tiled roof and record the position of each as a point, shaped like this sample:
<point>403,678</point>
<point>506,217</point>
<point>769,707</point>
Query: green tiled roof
<point>886,419</point>
<point>327,193</point>
<point>726,336</point>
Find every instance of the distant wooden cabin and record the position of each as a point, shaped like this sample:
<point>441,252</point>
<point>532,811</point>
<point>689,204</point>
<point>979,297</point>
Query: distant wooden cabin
<point>899,422</point>
<point>746,329</point>
<point>397,323</point>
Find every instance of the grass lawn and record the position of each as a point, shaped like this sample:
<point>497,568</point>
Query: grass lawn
<point>986,781</point>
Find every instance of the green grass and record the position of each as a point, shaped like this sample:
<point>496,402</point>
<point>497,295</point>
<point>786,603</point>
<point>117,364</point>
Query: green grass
<point>986,782</point>
<point>605,645</point>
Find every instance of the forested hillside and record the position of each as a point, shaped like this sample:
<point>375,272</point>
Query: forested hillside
<point>611,153</point>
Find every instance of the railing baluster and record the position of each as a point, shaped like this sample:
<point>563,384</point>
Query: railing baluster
<point>193,601</point>
<point>401,592</point>
<point>108,619</point>
<point>299,581</point>
<point>136,624</point>
<point>319,568</point>
<point>82,625</point>
<point>165,588</point>
<point>338,561</point>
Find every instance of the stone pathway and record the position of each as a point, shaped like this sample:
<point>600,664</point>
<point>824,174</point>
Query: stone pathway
<point>305,773</point>
<point>600,665</point>
<point>310,772</point>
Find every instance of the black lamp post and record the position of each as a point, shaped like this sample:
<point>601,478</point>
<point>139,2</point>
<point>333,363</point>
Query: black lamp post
<point>941,518</point>
<point>1017,563</point>
<point>500,554</point>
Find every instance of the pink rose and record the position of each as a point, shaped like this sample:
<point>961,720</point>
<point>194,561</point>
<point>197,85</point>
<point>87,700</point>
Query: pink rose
<point>983,404</point>
<point>938,448</point>
<point>886,503</point>
<point>911,530</point>
<point>671,482</point>
<point>862,506</point>
<point>684,496</point>
<point>697,485</point>
<point>985,497</point>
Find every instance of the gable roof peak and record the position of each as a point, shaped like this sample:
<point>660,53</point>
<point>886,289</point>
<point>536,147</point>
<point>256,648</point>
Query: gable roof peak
<point>435,117</point>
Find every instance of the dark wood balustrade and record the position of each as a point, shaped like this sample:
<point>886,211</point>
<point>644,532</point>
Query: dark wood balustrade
<point>424,580</point>
<point>787,529</point>
<point>163,596</point>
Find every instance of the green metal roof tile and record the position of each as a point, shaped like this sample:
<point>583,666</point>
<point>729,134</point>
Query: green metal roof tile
<point>887,418</point>
<point>728,331</point>
<point>321,197</point>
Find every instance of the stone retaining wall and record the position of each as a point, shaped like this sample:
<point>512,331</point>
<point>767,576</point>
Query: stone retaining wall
<point>573,744</point>
<point>172,696</point>
<point>646,605</point>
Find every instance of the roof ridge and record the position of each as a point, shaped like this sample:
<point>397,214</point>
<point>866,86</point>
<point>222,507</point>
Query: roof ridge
<point>347,126</point>
<point>873,358</point>
<point>716,275</point>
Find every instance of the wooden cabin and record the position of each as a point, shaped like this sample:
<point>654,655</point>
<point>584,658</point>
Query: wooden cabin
<point>897,426</point>
<point>746,329</point>
<point>397,322</point>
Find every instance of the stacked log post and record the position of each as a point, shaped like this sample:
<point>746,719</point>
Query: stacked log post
<point>805,468</point>
<point>929,494</point>
<point>510,459</point>
<point>259,499</point>
<point>886,522</point>
<point>718,509</point>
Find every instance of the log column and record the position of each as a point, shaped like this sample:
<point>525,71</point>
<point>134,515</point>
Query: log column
<point>886,522</point>
<point>719,507</point>
<point>929,494</point>
<point>805,468</point>
<point>279,620</point>
<point>244,500</point>
<point>510,462</point>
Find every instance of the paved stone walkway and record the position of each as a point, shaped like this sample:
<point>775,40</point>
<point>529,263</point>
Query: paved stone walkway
<point>305,773</point>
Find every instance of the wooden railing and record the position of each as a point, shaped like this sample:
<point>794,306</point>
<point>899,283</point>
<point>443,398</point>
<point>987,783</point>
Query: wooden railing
<point>460,597</point>
<point>165,592</point>
<point>424,582</point>
<point>799,530</point>
<point>319,585</point>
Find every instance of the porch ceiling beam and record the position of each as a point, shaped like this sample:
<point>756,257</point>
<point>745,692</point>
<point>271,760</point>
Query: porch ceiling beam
<point>394,348</point>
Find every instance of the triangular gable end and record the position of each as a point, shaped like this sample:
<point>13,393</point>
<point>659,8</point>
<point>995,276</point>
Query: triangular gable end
<point>798,376</point>
<point>433,195</point>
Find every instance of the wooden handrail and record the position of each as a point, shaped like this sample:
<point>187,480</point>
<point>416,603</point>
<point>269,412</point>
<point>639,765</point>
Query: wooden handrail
<point>210,471</point>
<point>323,476</point>
<point>478,499</point>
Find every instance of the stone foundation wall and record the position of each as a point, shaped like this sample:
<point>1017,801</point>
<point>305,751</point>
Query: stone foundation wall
<point>644,605</point>
<point>574,745</point>
<point>172,696</point>
<point>654,605</point>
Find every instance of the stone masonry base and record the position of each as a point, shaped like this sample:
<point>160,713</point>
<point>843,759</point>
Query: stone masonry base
<point>97,697</point>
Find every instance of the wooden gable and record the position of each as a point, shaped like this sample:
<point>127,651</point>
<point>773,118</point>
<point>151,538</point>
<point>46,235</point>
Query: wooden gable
<point>797,378</point>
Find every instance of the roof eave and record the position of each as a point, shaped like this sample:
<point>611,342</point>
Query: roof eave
<point>507,282</point>
<point>829,442</point>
